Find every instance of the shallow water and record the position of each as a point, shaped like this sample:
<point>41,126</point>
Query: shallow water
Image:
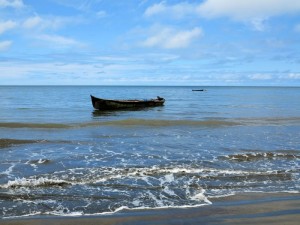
<point>61,157</point>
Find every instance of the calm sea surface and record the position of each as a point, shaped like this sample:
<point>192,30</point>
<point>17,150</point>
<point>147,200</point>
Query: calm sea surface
<point>59,156</point>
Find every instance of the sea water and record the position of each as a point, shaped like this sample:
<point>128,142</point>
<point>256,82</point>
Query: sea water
<point>59,156</point>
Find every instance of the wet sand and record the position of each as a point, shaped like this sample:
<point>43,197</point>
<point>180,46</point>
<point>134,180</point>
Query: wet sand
<point>248,208</point>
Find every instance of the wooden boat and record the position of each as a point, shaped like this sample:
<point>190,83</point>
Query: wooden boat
<point>198,90</point>
<point>109,104</point>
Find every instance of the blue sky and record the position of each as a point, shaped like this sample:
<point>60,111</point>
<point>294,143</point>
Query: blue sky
<point>149,42</point>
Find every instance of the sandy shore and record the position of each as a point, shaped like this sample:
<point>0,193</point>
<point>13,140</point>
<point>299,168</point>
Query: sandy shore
<point>249,208</point>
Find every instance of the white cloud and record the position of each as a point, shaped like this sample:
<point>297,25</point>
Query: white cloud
<point>260,76</point>
<point>5,45</point>
<point>297,28</point>
<point>156,9</point>
<point>294,76</point>
<point>11,3</point>
<point>101,14</point>
<point>58,41</point>
<point>258,23</point>
<point>86,6</point>
<point>32,22</point>
<point>7,25</point>
<point>175,11</point>
<point>169,38</point>
<point>50,22</point>
<point>244,10</point>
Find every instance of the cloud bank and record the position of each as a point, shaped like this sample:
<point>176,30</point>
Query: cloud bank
<point>255,12</point>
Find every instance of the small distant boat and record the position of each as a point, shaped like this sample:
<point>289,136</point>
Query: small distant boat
<point>110,104</point>
<point>198,90</point>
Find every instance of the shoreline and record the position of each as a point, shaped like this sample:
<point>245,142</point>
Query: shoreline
<point>247,208</point>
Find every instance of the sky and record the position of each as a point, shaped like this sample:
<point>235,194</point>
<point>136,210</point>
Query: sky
<point>150,42</point>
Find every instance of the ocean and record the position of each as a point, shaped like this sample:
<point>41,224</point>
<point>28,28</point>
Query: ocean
<point>60,157</point>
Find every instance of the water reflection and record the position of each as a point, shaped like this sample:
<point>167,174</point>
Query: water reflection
<point>118,112</point>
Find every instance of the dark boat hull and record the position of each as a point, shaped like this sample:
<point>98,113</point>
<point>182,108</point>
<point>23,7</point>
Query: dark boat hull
<point>106,104</point>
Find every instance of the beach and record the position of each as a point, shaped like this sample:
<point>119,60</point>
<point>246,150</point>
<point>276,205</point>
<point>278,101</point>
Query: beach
<point>248,208</point>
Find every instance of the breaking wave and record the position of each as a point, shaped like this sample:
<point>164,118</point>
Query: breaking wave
<point>91,191</point>
<point>39,161</point>
<point>39,182</point>
<point>153,177</point>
